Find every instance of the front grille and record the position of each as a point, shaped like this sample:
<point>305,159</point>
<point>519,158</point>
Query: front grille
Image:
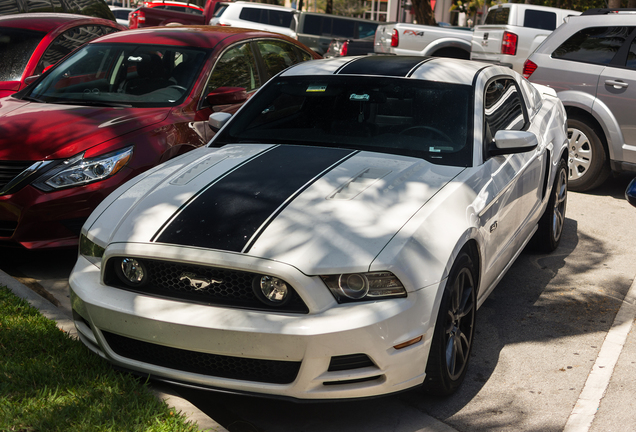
<point>10,170</point>
<point>7,228</point>
<point>233,288</point>
<point>350,361</point>
<point>247,369</point>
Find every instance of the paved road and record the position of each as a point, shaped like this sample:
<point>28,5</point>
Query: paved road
<point>537,344</point>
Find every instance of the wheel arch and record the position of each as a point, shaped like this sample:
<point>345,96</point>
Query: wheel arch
<point>448,44</point>
<point>597,115</point>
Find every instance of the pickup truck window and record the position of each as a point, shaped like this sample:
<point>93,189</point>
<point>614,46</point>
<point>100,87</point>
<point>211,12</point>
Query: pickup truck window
<point>596,45</point>
<point>539,19</point>
<point>497,16</point>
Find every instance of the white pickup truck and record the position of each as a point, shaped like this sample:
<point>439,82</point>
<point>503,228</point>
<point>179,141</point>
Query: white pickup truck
<point>512,31</point>
<point>422,40</point>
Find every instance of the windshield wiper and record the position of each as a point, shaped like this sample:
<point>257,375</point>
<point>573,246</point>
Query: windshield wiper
<point>32,99</point>
<point>91,103</point>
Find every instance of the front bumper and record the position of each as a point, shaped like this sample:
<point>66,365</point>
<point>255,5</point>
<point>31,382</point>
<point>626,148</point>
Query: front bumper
<point>164,338</point>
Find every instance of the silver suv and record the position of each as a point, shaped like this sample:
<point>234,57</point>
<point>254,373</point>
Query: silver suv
<point>591,63</point>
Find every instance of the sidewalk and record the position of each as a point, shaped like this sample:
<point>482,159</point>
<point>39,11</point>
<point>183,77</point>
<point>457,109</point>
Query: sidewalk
<point>65,323</point>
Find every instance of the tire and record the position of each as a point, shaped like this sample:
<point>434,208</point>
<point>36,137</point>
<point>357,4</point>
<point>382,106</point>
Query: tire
<point>550,230</point>
<point>589,166</point>
<point>454,330</point>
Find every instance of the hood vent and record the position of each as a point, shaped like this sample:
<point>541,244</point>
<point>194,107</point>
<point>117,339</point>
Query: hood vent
<point>359,183</point>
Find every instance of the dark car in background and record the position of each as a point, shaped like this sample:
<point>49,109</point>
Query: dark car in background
<point>114,108</point>
<point>317,30</point>
<point>32,42</point>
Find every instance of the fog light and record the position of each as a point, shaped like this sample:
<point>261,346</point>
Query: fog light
<point>132,271</point>
<point>271,290</point>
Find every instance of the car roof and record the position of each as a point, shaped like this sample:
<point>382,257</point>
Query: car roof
<point>425,68</point>
<point>193,36</point>
<point>47,22</point>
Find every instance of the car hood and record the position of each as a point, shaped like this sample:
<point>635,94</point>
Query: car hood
<point>318,209</point>
<point>37,131</point>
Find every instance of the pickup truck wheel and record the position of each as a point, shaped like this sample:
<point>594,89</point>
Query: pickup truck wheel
<point>454,330</point>
<point>588,163</point>
<point>548,235</point>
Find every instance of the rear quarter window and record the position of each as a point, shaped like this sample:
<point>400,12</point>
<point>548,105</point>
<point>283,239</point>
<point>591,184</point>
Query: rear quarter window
<point>498,16</point>
<point>540,19</point>
<point>596,45</point>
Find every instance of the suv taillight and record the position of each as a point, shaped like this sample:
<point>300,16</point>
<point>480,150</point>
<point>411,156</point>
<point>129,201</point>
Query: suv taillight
<point>395,38</point>
<point>529,68</point>
<point>344,48</point>
<point>509,43</point>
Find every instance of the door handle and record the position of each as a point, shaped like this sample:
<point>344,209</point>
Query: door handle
<point>616,84</point>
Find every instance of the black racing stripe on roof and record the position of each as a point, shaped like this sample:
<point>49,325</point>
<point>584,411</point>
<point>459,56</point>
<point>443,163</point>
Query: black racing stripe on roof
<point>230,212</point>
<point>399,66</point>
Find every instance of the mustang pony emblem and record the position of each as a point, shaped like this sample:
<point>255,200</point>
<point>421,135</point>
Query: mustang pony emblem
<point>196,282</point>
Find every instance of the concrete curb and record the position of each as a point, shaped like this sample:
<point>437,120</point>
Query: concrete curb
<point>64,322</point>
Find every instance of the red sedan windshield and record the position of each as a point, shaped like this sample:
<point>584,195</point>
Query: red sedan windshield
<point>122,74</point>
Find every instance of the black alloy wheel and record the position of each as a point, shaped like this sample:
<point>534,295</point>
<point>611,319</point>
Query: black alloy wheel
<point>550,230</point>
<point>454,330</point>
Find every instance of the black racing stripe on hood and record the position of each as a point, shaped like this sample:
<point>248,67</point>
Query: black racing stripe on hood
<point>230,211</point>
<point>379,65</point>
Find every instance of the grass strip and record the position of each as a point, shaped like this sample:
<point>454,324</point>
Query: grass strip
<point>52,382</point>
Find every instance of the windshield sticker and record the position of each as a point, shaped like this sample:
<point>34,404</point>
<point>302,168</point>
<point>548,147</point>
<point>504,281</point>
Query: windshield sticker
<point>361,98</point>
<point>434,150</point>
<point>316,88</point>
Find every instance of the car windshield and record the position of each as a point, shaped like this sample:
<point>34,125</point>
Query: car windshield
<point>402,116</point>
<point>122,75</point>
<point>16,48</point>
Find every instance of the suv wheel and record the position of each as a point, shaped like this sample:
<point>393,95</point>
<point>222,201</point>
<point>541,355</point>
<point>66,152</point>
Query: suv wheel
<point>588,165</point>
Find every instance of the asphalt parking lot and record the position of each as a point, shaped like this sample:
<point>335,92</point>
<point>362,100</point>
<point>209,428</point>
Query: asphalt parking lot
<point>538,340</point>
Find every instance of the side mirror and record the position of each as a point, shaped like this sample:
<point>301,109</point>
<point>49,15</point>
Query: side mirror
<point>31,79</point>
<point>227,95</point>
<point>218,119</point>
<point>510,141</point>
<point>630,193</point>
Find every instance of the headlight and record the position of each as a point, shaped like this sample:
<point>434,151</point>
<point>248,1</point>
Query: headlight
<point>78,171</point>
<point>364,286</point>
<point>91,250</point>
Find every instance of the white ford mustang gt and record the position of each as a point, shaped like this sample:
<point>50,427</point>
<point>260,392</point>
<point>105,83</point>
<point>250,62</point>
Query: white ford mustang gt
<point>336,237</point>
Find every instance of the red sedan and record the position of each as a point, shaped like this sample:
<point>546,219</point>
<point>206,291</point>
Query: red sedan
<point>116,107</point>
<point>29,43</point>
